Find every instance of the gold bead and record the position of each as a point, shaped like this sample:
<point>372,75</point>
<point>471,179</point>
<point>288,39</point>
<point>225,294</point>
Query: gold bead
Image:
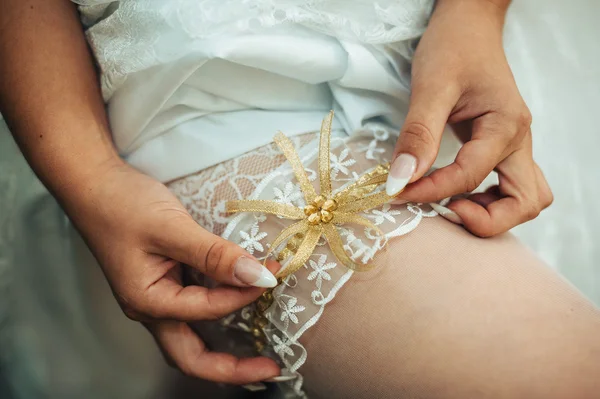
<point>284,253</point>
<point>261,306</point>
<point>314,219</point>
<point>326,217</point>
<point>268,295</point>
<point>329,205</point>
<point>319,201</point>
<point>292,245</point>
<point>261,322</point>
<point>310,209</point>
<point>259,346</point>
<point>257,333</point>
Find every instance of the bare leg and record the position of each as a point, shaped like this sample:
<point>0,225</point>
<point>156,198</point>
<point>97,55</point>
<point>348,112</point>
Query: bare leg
<point>446,314</point>
<point>449,315</point>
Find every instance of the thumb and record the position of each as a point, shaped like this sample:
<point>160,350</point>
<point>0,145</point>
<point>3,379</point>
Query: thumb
<point>213,256</point>
<point>419,141</point>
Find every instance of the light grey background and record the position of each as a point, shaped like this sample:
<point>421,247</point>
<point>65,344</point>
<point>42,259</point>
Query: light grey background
<point>553,48</point>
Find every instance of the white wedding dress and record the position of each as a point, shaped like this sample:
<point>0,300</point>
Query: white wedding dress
<point>192,83</point>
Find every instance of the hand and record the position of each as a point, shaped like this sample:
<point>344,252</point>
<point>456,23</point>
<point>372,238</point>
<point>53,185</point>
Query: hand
<point>141,234</point>
<point>136,229</point>
<point>461,76</point>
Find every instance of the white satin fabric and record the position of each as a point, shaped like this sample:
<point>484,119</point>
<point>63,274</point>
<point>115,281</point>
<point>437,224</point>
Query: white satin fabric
<point>190,84</point>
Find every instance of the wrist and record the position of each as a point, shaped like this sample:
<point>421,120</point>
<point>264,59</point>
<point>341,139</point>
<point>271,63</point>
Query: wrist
<point>71,173</point>
<point>466,27</point>
<point>500,6</point>
<point>486,15</point>
<point>87,194</point>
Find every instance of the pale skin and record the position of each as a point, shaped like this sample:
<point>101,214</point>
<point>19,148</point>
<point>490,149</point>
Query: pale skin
<point>460,76</point>
<point>140,233</point>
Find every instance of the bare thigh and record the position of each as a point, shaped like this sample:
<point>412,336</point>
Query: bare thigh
<point>449,315</point>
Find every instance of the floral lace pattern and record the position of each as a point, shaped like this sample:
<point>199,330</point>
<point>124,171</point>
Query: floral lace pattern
<point>133,35</point>
<point>301,299</point>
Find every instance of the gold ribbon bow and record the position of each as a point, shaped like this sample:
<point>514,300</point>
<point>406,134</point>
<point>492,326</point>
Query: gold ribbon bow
<point>324,211</point>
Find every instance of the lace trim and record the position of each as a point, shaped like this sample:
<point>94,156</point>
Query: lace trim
<point>300,301</point>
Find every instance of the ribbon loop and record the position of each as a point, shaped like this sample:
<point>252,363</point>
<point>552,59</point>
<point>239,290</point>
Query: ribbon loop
<point>324,211</point>
<point>324,161</point>
<point>286,146</point>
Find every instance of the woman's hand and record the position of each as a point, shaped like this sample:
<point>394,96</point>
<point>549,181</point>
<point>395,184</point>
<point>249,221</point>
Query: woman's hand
<point>461,76</point>
<point>141,234</point>
<point>135,227</point>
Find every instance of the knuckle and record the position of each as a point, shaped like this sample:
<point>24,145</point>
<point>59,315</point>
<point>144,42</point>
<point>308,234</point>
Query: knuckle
<point>170,221</point>
<point>471,182</point>
<point>531,210</point>
<point>522,119</point>
<point>417,135</point>
<point>515,125</point>
<point>132,308</point>
<point>186,368</point>
<point>132,314</point>
<point>211,309</point>
<point>546,198</point>
<point>140,312</point>
<point>549,199</point>
<point>212,257</point>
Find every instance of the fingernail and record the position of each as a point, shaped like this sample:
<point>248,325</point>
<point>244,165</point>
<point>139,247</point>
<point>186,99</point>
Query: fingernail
<point>255,387</point>
<point>251,272</point>
<point>402,170</point>
<point>281,378</point>
<point>446,213</point>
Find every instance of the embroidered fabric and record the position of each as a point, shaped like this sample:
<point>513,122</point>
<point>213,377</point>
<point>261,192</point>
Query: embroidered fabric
<point>301,299</point>
<point>132,35</point>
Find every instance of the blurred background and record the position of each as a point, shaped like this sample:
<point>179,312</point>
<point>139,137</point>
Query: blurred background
<point>54,347</point>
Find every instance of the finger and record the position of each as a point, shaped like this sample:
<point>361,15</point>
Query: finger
<point>474,162</point>
<point>420,137</point>
<point>183,347</point>
<point>185,241</point>
<point>167,299</point>
<point>518,201</point>
<point>484,199</point>
<point>496,218</point>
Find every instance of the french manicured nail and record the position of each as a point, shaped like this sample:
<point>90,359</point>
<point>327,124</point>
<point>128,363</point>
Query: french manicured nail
<point>281,378</point>
<point>255,387</point>
<point>251,272</point>
<point>402,170</point>
<point>447,213</point>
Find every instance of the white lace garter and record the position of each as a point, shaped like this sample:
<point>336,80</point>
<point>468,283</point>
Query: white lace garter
<point>300,300</point>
